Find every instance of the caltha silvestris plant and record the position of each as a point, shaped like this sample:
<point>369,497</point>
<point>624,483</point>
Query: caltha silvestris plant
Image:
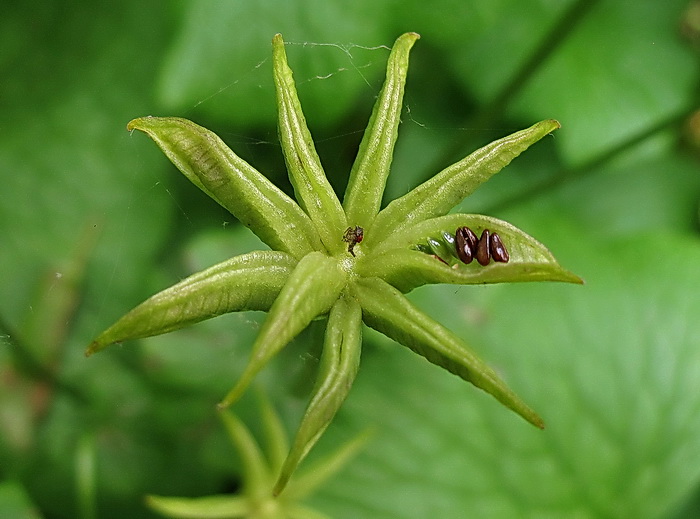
<point>351,261</point>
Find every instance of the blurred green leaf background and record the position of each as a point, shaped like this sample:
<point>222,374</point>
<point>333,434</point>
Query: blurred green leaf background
<point>93,220</point>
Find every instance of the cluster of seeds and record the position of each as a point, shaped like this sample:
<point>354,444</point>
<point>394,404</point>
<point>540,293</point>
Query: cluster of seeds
<point>465,246</point>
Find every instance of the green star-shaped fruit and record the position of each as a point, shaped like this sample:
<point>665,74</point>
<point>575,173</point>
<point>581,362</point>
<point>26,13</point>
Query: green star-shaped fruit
<point>352,261</point>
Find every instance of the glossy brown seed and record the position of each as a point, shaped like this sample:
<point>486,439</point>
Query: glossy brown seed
<point>465,244</point>
<point>498,250</point>
<point>483,248</point>
<point>470,236</point>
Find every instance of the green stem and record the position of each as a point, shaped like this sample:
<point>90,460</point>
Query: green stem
<point>493,109</point>
<point>564,26</point>
<point>564,175</point>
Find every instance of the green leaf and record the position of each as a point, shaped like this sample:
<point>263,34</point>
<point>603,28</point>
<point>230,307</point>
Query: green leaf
<point>210,507</point>
<point>638,194</point>
<point>363,196</point>
<point>310,291</point>
<point>505,33</point>
<point>397,263</point>
<point>311,186</point>
<point>339,363</point>
<point>87,179</point>
<point>616,376</point>
<point>649,71</point>
<point>211,165</point>
<point>335,44</point>
<point>437,196</point>
<point>247,282</point>
<point>15,502</point>
<point>385,309</point>
<point>303,512</point>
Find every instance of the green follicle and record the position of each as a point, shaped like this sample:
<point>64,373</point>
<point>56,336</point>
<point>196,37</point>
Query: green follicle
<point>352,262</point>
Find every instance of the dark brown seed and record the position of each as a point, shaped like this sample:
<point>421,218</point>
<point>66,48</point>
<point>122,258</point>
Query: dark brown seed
<point>469,236</point>
<point>464,251</point>
<point>483,248</point>
<point>465,244</point>
<point>498,250</point>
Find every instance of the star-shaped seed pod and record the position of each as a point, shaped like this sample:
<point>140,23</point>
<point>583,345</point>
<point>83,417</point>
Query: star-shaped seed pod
<point>352,262</point>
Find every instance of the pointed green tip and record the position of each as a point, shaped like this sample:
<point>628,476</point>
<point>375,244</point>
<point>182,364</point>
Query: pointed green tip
<point>402,46</point>
<point>542,128</point>
<point>570,277</point>
<point>280,486</point>
<point>94,347</point>
<point>235,394</point>
<point>279,58</point>
<point>133,124</point>
<point>277,44</point>
<point>529,415</point>
<point>141,123</point>
<point>413,36</point>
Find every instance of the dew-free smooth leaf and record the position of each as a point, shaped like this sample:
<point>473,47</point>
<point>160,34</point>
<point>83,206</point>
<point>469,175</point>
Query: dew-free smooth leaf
<point>363,196</point>
<point>211,165</point>
<point>67,167</point>
<point>248,282</point>
<point>339,363</point>
<point>83,182</point>
<point>15,502</point>
<point>438,195</point>
<point>303,512</point>
<point>643,76</point>
<point>385,309</point>
<point>640,194</point>
<point>341,54</point>
<point>474,37</point>
<point>310,291</point>
<point>619,387</point>
<point>311,186</point>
